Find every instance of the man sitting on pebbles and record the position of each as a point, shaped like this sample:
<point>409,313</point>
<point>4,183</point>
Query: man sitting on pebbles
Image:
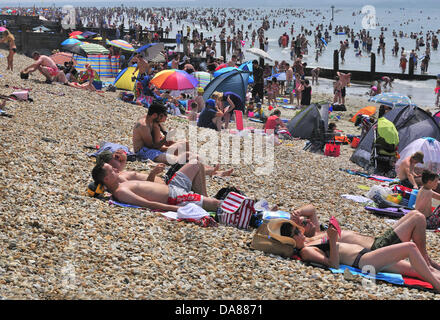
<point>150,141</point>
<point>47,67</point>
<point>157,196</point>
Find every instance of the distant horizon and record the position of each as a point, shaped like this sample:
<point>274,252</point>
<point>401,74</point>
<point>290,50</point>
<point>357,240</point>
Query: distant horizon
<point>223,4</point>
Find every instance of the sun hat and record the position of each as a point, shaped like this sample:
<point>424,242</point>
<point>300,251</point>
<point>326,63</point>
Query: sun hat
<point>265,239</point>
<point>200,90</point>
<point>274,229</point>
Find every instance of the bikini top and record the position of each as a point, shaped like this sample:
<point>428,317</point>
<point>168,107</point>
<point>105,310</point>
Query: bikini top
<point>324,245</point>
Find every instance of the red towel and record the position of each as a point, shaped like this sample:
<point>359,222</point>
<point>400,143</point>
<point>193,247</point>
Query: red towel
<point>417,282</point>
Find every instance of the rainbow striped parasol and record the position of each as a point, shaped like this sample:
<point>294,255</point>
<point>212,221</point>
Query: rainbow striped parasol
<point>121,44</point>
<point>174,80</point>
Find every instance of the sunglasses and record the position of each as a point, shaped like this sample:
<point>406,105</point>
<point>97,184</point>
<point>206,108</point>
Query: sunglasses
<point>296,232</point>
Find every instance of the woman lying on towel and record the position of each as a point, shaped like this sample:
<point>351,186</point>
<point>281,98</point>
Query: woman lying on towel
<point>411,227</point>
<point>330,252</point>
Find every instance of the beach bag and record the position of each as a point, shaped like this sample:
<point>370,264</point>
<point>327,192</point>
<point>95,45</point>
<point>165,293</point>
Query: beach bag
<point>332,149</point>
<point>263,242</point>
<point>127,96</point>
<point>236,210</point>
<point>355,142</point>
<point>433,221</point>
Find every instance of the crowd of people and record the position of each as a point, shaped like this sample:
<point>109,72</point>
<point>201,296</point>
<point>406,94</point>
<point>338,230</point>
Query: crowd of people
<point>185,182</point>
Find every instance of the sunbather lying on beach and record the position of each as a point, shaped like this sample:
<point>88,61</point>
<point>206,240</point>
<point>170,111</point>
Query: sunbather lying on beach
<point>157,196</point>
<point>118,160</point>
<point>411,227</point>
<point>332,253</point>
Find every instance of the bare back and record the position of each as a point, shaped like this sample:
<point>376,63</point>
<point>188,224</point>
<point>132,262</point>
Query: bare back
<point>45,61</point>
<point>142,135</point>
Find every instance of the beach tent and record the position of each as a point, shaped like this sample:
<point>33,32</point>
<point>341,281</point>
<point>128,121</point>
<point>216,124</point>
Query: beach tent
<point>437,117</point>
<point>105,67</point>
<point>124,79</point>
<point>307,122</point>
<point>368,111</point>
<point>411,123</point>
<point>234,81</point>
<point>431,153</point>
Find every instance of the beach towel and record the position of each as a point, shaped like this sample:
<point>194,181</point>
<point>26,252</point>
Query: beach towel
<point>388,212</point>
<point>393,278</point>
<point>112,147</point>
<point>255,120</point>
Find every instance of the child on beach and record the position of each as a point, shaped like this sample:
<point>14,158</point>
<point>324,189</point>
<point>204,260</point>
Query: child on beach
<point>299,87</point>
<point>270,93</point>
<point>337,87</point>
<point>403,61</point>
<point>315,75</point>
<point>426,193</point>
<point>388,81</point>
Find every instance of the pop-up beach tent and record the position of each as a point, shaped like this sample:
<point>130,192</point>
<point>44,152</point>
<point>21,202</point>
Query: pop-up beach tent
<point>308,121</point>
<point>431,153</point>
<point>411,123</point>
<point>124,80</point>
<point>234,81</point>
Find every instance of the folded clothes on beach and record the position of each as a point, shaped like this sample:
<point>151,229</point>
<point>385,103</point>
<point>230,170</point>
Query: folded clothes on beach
<point>360,199</point>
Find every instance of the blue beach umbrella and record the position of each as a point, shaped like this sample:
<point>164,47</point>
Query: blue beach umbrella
<point>246,66</point>
<point>70,41</point>
<point>279,76</point>
<point>392,99</point>
<point>223,70</point>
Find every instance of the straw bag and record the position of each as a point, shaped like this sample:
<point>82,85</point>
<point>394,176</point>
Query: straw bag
<point>332,149</point>
<point>263,242</point>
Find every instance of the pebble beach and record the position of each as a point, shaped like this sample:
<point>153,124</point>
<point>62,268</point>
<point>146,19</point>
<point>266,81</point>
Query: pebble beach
<point>56,242</point>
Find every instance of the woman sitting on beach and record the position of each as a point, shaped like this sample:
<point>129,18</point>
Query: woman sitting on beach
<point>329,252</point>
<point>10,39</point>
<point>90,78</point>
